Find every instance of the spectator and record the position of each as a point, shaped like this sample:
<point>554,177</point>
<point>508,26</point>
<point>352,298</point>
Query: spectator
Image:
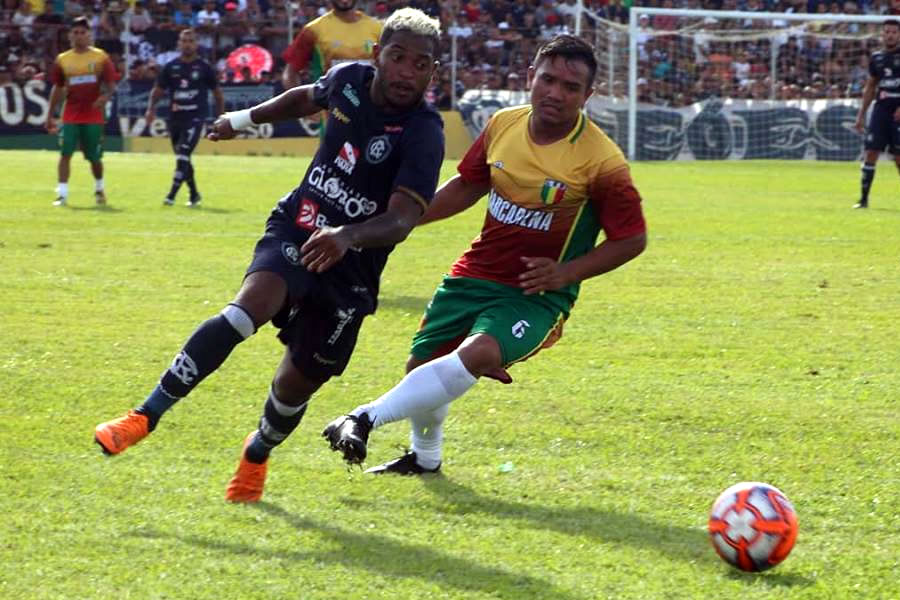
<point>208,21</point>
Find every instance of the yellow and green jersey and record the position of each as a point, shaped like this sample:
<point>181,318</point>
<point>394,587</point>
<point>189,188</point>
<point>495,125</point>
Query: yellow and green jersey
<point>328,40</point>
<point>549,200</point>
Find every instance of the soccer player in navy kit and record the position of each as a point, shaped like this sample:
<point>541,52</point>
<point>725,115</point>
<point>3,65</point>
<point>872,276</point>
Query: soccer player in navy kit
<point>882,86</point>
<point>315,272</point>
<point>188,80</point>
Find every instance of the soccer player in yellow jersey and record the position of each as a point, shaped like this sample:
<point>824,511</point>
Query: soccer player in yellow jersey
<point>554,180</point>
<point>342,34</point>
<point>85,78</point>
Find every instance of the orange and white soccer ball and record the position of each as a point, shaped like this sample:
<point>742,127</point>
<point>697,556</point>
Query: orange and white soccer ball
<point>753,526</point>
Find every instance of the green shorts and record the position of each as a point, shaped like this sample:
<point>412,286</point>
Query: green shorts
<point>462,306</point>
<point>88,135</point>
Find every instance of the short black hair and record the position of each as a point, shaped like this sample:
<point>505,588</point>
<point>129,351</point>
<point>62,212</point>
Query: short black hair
<point>893,22</point>
<point>80,22</point>
<point>569,47</point>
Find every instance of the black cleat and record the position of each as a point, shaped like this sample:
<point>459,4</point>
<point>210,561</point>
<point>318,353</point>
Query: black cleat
<point>861,204</point>
<point>405,465</point>
<point>349,434</point>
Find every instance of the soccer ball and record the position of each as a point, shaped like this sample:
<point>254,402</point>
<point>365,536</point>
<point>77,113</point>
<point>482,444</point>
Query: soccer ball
<point>753,526</point>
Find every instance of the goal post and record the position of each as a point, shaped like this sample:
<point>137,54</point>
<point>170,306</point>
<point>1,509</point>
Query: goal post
<point>747,65</point>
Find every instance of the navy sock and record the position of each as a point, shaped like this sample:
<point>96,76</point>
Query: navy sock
<point>868,174</point>
<point>156,404</point>
<point>276,424</point>
<point>178,178</point>
<point>204,352</point>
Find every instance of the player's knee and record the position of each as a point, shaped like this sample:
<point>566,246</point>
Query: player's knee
<point>480,353</point>
<point>239,319</point>
<point>262,295</point>
<point>291,386</point>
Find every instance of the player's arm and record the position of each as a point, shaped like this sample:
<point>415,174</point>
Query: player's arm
<point>618,205</point>
<point>297,57</point>
<point>57,92</point>
<point>107,84</point>
<point>155,94</point>
<point>219,97</point>
<point>466,188</point>
<point>327,245</point>
<point>292,104</point>
<point>867,97</point>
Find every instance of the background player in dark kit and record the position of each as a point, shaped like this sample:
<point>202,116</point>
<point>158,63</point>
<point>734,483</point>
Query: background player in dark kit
<point>188,80</point>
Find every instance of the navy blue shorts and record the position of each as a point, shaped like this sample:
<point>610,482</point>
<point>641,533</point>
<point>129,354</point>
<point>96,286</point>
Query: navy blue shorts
<point>320,322</point>
<point>185,135</point>
<point>883,131</point>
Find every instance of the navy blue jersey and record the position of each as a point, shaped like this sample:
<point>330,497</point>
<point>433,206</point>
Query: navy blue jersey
<point>188,84</point>
<point>365,156</point>
<point>885,67</point>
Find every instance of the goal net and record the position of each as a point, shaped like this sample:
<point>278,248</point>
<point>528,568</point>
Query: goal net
<point>696,84</point>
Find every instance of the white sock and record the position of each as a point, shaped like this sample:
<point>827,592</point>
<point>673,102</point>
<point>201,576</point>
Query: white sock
<point>427,436</point>
<point>98,185</point>
<point>62,189</point>
<point>424,389</point>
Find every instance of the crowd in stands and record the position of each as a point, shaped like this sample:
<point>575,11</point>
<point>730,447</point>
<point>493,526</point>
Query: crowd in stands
<point>497,39</point>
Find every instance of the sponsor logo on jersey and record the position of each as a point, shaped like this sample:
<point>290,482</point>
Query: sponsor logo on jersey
<point>343,316</point>
<point>337,192</point>
<point>346,158</point>
<point>321,359</point>
<point>497,164</point>
<point>195,75</point>
<point>337,114</point>
<point>512,214</point>
<point>80,79</point>
<point>552,192</point>
<point>291,253</point>
<point>518,330</point>
<point>307,215</point>
<point>378,149</point>
<point>350,94</point>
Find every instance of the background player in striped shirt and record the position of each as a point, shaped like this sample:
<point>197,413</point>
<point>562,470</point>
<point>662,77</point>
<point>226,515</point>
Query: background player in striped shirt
<point>554,180</point>
<point>85,78</point>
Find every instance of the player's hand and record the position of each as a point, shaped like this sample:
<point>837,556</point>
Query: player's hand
<point>101,101</point>
<point>51,125</point>
<point>221,130</point>
<point>542,274</point>
<point>860,125</point>
<point>897,115</point>
<point>324,248</point>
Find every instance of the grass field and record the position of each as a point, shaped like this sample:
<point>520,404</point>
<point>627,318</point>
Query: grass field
<point>756,339</point>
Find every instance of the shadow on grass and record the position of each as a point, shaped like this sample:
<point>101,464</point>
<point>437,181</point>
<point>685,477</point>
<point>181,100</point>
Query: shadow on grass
<point>385,556</point>
<point>101,208</point>
<point>680,543</point>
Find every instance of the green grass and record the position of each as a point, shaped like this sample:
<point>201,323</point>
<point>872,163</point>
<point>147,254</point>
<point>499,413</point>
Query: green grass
<point>756,339</point>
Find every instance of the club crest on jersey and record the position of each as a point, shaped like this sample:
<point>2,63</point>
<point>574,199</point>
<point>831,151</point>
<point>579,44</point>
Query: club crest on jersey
<point>378,149</point>
<point>552,192</point>
<point>291,253</point>
<point>350,94</point>
<point>346,158</point>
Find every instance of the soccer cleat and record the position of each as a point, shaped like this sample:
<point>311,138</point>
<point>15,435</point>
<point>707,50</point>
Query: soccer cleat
<point>349,434</point>
<point>100,197</point>
<point>116,435</point>
<point>247,483</point>
<point>194,201</point>
<point>861,204</point>
<point>60,201</point>
<point>168,201</point>
<point>405,465</point>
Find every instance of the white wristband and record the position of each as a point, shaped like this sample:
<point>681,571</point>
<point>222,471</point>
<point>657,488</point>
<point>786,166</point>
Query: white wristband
<point>240,119</point>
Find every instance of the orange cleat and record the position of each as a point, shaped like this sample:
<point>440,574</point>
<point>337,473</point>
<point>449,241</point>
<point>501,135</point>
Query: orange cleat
<point>116,435</point>
<point>247,483</point>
